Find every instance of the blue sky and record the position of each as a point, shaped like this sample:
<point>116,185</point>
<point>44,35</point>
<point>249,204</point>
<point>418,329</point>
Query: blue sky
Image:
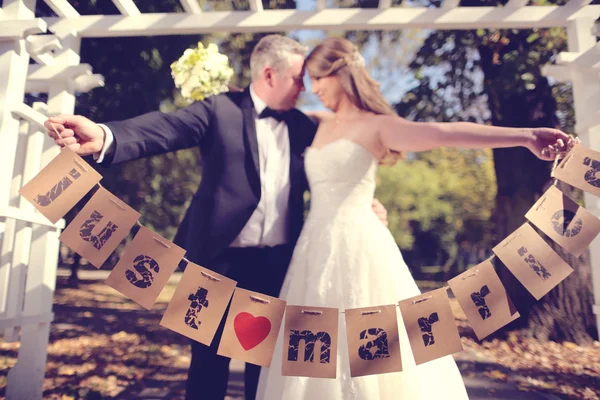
<point>394,82</point>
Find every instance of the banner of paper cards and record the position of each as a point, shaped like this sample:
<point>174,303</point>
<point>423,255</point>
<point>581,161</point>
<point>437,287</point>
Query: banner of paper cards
<point>254,319</point>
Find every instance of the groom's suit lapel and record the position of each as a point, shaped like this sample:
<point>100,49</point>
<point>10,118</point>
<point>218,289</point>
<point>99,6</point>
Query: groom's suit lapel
<point>248,113</point>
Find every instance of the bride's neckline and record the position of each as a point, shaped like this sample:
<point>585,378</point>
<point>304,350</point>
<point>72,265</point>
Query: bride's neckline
<point>343,139</point>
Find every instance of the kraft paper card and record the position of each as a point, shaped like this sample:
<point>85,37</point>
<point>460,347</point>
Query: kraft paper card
<point>252,326</point>
<point>580,168</point>
<point>145,267</point>
<point>99,228</point>
<point>532,261</point>
<point>310,339</point>
<point>483,298</point>
<point>373,342</point>
<point>60,185</point>
<point>430,326</point>
<point>199,303</point>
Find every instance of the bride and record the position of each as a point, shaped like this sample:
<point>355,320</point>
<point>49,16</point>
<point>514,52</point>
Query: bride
<point>345,256</point>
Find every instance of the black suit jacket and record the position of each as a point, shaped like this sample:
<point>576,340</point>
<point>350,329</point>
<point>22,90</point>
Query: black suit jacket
<point>224,129</point>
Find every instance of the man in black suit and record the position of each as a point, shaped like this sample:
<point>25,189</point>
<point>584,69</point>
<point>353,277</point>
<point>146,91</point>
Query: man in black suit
<point>247,214</point>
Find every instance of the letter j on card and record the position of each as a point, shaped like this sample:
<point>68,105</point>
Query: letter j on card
<point>60,185</point>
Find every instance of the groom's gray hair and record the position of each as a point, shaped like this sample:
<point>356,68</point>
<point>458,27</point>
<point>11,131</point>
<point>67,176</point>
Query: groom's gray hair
<point>274,51</point>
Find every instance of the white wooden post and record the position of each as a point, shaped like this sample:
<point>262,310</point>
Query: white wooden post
<point>586,97</point>
<point>13,72</point>
<point>26,378</point>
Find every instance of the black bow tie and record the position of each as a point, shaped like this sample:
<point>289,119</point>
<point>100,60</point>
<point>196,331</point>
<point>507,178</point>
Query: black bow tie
<point>269,112</point>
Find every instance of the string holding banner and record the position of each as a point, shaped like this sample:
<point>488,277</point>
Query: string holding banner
<point>202,296</point>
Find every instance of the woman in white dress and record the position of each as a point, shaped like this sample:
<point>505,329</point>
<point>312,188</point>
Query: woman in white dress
<point>345,257</point>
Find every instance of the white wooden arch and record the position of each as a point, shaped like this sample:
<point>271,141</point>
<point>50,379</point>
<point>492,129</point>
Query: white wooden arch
<point>29,243</point>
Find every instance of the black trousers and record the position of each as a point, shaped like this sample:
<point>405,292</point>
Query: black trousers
<point>257,269</point>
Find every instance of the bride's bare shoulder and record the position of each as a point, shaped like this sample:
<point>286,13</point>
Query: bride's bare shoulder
<point>321,116</point>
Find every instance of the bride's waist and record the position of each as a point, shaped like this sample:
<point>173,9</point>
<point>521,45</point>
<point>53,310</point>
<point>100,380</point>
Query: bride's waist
<point>337,206</point>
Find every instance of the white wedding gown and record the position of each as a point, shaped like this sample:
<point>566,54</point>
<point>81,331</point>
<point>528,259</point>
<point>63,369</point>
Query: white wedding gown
<point>346,258</point>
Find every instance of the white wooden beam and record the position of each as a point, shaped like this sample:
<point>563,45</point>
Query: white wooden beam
<point>516,3</point>
<point>80,84</point>
<point>62,8</point>
<point>191,6</point>
<point>19,29</point>
<point>127,7</point>
<point>588,59</point>
<point>85,83</point>
<point>578,3</point>
<point>39,44</point>
<point>23,320</point>
<point>329,19</point>
<point>23,111</point>
<point>589,122</point>
<point>384,4</point>
<point>256,5</point>
<point>446,4</point>
<point>561,73</point>
<point>56,73</point>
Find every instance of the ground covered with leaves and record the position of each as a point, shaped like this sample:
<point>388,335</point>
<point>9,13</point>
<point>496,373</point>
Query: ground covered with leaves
<point>104,346</point>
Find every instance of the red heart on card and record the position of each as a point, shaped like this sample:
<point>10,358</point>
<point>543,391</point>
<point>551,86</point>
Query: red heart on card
<point>251,330</point>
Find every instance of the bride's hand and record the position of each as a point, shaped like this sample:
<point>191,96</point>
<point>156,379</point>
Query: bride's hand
<point>546,143</point>
<point>380,211</point>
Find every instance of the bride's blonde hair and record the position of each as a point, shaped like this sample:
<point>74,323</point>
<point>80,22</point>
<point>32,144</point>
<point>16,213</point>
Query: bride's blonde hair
<point>338,56</point>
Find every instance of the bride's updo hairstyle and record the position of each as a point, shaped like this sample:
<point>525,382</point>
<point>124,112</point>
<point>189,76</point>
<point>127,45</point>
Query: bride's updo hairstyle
<point>338,56</point>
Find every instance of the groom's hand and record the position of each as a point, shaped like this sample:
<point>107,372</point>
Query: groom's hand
<point>380,211</point>
<point>78,133</point>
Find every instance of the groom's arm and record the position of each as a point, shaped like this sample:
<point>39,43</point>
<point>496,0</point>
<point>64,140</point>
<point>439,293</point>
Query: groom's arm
<point>156,133</point>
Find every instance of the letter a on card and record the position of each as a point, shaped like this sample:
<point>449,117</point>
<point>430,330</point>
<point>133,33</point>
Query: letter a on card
<point>373,343</point>
<point>145,267</point>
<point>252,327</point>
<point>198,304</point>
<point>99,228</point>
<point>483,298</point>
<point>532,261</point>
<point>310,342</point>
<point>430,326</point>
<point>60,185</point>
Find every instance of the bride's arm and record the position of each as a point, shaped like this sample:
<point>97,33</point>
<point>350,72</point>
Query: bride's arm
<point>399,134</point>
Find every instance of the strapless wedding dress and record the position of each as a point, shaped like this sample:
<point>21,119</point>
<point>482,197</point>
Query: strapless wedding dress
<point>346,258</point>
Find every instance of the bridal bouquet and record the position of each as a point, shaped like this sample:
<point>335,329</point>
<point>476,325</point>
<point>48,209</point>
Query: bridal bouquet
<point>201,72</point>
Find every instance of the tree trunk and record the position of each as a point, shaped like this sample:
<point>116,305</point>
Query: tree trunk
<point>564,314</point>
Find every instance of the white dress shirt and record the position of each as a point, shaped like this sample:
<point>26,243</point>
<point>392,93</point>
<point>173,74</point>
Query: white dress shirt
<point>268,224</point>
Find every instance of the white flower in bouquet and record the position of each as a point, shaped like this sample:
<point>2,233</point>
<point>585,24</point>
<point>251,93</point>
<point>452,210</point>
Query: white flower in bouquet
<point>201,72</point>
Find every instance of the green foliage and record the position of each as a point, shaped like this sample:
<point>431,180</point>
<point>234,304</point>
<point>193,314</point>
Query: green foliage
<point>437,199</point>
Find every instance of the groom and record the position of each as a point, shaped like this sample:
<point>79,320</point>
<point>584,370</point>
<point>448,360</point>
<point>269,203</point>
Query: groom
<point>247,214</point>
